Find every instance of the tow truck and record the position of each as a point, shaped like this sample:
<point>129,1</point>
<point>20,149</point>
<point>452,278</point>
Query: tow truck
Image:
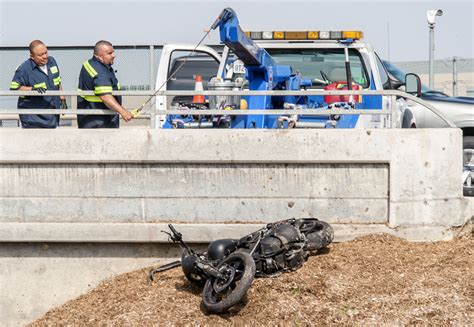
<point>278,60</point>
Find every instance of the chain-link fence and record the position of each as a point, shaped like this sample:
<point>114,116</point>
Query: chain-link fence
<point>135,68</point>
<point>453,76</point>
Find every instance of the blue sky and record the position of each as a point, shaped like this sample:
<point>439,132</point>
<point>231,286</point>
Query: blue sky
<point>396,29</point>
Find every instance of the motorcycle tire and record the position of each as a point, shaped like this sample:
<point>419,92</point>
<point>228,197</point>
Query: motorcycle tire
<point>321,238</point>
<point>234,289</point>
<point>187,265</point>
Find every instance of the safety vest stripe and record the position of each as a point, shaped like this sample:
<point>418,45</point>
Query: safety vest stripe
<point>92,72</point>
<point>90,98</point>
<point>118,86</point>
<point>102,89</point>
<point>90,69</point>
<point>14,85</point>
<point>43,85</point>
<point>87,69</point>
<point>57,80</point>
<point>54,69</point>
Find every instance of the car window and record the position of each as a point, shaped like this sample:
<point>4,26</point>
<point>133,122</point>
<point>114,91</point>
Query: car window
<point>184,68</point>
<point>323,66</point>
<point>383,74</point>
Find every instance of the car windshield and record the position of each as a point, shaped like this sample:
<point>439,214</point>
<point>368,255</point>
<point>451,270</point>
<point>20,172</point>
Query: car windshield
<point>400,76</point>
<point>322,66</point>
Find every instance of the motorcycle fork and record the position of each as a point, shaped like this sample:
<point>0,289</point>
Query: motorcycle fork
<point>208,269</point>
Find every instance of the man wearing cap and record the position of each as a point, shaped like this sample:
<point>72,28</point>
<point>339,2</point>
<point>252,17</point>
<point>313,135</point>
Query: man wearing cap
<point>98,75</point>
<point>39,73</point>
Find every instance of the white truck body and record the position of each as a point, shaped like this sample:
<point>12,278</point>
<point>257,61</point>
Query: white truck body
<point>369,61</point>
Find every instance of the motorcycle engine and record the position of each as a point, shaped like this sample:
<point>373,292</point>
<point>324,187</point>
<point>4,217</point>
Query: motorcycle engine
<point>288,232</point>
<point>280,250</point>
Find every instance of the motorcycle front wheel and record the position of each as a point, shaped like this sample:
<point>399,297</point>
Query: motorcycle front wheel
<point>220,294</point>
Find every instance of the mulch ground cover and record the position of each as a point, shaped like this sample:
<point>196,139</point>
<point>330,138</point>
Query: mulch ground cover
<point>373,280</point>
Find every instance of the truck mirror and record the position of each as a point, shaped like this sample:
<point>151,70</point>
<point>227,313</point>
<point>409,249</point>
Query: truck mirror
<point>413,84</point>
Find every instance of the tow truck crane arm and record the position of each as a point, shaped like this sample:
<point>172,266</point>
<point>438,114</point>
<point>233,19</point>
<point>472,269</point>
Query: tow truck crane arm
<point>232,36</point>
<point>253,57</point>
<point>263,72</point>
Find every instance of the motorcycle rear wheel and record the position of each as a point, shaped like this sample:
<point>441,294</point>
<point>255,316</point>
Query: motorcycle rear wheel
<point>219,295</point>
<point>320,238</point>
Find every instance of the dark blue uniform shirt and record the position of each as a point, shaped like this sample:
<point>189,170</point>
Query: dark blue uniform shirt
<point>29,74</point>
<point>100,78</point>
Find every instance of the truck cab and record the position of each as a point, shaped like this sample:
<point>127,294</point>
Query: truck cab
<point>318,56</point>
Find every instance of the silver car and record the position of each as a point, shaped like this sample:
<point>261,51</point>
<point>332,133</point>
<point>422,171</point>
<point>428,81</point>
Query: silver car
<point>459,110</point>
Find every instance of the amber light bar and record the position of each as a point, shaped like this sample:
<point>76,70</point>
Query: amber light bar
<point>305,35</point>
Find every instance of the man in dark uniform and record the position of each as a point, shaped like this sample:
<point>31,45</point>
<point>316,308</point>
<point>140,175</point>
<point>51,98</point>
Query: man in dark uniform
<point>39,73</point>
<point>97,75</point>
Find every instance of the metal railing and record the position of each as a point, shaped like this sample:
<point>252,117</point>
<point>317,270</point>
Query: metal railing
<point>10,113</point>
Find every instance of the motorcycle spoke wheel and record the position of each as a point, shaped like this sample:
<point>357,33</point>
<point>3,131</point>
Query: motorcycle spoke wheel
<point>221,294</point>
<point>221,284</point>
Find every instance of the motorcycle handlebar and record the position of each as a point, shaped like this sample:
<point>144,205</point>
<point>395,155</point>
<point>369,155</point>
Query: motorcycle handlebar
<point>178,238</point>
<point>173,230</point>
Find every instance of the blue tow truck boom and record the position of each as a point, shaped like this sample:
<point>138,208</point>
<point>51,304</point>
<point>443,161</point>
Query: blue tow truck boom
<point>232,36</point>
<point>263,73</point>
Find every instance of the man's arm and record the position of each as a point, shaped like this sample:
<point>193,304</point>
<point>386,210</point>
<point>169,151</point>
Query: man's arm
<point>19,81</point>
<point>40,89</point>
<point>61,97</point>
<point>25,88</point>
<point>112,104</point>
<point>60,86</point>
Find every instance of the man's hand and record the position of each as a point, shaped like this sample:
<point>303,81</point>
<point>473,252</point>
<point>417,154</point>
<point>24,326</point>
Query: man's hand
<point>112,104</point>
<point>126,115</point>
<point>63,104</point>
<point>40,90</point>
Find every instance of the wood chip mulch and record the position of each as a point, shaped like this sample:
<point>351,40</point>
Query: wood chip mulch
<point>373,280</point>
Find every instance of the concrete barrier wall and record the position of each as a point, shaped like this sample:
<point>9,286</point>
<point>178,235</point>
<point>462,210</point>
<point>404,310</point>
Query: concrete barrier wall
<point>96,190</point>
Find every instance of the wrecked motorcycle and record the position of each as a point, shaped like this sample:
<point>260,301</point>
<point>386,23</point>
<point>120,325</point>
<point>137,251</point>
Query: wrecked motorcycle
<point>229,266</point>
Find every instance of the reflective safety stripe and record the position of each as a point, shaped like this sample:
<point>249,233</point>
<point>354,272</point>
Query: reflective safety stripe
<point>90,98</point>
<point>103,89</point>
<point>89,69</point>
<point>57,80</point>
<point>14,85</point>
<point>43,85</point>
<point>118,86</point>
<point>54,69</point>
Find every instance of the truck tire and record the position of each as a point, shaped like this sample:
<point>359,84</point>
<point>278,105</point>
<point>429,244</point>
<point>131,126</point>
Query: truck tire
<point>468,142</point>
<point>408,120</point>
<point>468,190</point>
